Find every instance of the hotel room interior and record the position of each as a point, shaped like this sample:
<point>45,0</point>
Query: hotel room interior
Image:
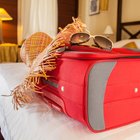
<point>118,20</point>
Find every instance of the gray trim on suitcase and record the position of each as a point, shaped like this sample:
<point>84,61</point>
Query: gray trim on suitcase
<point>51,83</point>
<point>97,81</point>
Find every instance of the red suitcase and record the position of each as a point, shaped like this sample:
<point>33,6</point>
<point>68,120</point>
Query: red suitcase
<point>98,88</point>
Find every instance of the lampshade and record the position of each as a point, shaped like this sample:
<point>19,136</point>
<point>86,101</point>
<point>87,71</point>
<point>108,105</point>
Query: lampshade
<point>108,30</point>
<point>4,15</point>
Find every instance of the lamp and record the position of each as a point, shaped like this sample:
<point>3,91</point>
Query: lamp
<point>3,16</point>
<point>108,31</point>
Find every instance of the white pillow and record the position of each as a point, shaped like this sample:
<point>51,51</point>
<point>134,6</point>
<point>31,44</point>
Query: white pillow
<point>121,43</point>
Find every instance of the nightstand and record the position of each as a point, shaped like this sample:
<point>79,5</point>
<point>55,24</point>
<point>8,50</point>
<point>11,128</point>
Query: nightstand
<point>9,52</point>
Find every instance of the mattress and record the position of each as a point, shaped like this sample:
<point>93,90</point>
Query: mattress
<point>37,121</point>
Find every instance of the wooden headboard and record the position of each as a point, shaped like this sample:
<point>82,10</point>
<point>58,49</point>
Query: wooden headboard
<point>121,26</point>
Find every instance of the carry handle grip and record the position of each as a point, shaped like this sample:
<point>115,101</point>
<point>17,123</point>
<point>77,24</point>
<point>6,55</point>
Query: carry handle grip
<point>54,101</point>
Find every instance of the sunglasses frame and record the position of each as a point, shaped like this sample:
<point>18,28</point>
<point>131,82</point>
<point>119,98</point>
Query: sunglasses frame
<point>94,40</point>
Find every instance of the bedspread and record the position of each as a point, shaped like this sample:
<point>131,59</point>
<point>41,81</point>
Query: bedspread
<point>37,121</point>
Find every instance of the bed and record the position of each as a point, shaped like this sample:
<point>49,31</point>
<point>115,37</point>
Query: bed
<point>126,27</point>
<point>37,121</point>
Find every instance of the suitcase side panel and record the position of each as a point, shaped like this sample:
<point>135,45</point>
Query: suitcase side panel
<point>68,83</point>
<point>122,99</point>
<point>119,104</point>
<point>97,82</point>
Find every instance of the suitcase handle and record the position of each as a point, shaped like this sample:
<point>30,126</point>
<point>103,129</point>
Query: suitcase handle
<point>85,48</point>
<point>54,101</point>
<point>51,82</point>
<point>53,104</point>
<point>84,52</point>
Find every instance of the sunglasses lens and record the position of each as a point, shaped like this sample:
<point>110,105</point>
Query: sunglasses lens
<point>103,42</point>
<point>79,38</point>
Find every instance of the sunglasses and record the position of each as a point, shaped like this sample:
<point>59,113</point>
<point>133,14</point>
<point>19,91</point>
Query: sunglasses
<point>99,40</point>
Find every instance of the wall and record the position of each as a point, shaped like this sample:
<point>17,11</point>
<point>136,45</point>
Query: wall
<point>10,27</point>
<point>131,12</point>
<point>97,23</point>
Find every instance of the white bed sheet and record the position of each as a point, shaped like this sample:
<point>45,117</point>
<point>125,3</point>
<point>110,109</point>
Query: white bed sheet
<point>38,122</point>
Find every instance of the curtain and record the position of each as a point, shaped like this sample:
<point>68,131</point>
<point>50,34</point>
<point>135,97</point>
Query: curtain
<point>35,16</point>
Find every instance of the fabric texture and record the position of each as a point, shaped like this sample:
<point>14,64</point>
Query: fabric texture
<point>34,45</point>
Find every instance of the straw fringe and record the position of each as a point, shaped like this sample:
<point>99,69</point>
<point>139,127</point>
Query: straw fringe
<point>46,61</point>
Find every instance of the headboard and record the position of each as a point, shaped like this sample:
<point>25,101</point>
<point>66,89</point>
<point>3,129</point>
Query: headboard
<point>121,26</point>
